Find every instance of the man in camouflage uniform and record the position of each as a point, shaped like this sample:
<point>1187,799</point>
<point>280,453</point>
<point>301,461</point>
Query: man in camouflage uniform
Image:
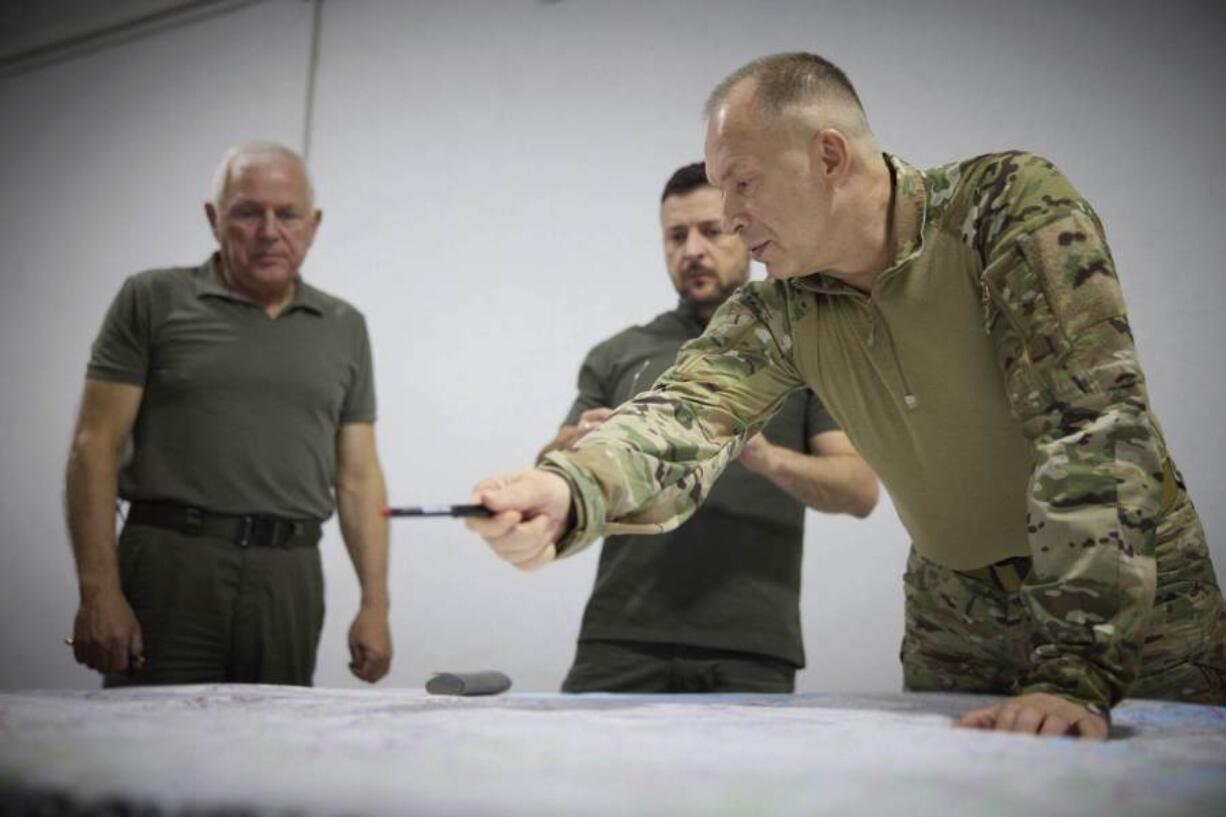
<point>966,329</point>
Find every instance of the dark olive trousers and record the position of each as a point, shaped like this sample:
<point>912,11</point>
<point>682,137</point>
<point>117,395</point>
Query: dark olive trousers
<point>639,666</point>
<point>212,611</point>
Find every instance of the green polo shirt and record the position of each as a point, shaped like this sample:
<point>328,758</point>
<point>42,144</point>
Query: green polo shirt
<point>729,578</point>
<point>240,412</point>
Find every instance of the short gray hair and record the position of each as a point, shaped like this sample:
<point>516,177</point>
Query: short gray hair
<point>221,177</point>
<point>788,80</point>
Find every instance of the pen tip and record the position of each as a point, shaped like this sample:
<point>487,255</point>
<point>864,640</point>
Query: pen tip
<point>385,513</point>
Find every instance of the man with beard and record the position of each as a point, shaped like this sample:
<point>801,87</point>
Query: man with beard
<point>714,605</point>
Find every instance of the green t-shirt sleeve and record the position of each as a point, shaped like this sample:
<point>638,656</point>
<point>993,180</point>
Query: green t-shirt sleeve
<point>817,419</point>
<point>121,350</point>
<point>359,405</point>
<point>593,387</point>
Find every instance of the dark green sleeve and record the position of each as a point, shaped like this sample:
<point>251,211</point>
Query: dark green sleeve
<point>359,406</point>
<point>121,350</point>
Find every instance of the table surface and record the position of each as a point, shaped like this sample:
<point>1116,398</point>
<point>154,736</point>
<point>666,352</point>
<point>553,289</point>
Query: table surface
<point>282,750</point>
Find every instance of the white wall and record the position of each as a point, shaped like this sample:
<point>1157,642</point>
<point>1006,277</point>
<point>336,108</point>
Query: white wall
<point>490,173</point>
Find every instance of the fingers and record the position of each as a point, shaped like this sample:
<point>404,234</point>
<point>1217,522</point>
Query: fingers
<point>370,662</point>
<point>378,667</point>
<point>1055,725</point>
<point>493,483</point>
<point>542,558</point>
<point>979,719</point>
<point>136,647</point>
<point>526,545</point>
<point>118,654</point>
<point>593,417</point>
<point>80,647</point>
<point>106,656</point>
<point>494,527</point>
<point>1027,720</point>
<point>516,491</point>
<point>107,636</point>
<point>1038,714</point>
<point>529,515</point>
<point>370,645</point>
<point>1091,727</point>
<point>360,665</point>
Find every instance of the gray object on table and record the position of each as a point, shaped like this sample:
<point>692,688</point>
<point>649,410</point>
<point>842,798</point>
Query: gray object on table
<point>485,682</point>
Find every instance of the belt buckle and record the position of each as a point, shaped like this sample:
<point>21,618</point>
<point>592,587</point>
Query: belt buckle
<point>193,521</point>
<point>261,531</point>
<point>244,537</point>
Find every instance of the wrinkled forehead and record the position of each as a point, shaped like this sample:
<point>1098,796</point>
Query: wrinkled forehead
<point>268,175</point>
<point>748,146</point>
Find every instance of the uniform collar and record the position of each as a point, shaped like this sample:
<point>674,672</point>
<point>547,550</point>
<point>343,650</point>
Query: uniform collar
<point>209,283</point>
<point>687,313</point>
<point>910,212</point>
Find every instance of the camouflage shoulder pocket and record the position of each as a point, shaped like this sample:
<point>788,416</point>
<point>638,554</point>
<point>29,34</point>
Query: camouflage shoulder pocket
<point>1074,268</point>
<point>1060,293</point>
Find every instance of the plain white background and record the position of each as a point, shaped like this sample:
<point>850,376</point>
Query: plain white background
<point>490,173</point>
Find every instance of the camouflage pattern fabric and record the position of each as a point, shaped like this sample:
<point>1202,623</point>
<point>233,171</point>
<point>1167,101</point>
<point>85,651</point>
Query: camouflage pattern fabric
<point>974,634</point>
<point>1097,477</point>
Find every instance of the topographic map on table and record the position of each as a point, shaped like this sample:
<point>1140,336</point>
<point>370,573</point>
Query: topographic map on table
<point>249,750</point>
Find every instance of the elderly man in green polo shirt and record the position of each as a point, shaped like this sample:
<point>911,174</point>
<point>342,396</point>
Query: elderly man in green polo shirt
<point>965,327</point>
<point>248,396</point>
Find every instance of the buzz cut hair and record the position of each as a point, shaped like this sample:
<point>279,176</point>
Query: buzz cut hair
<point>788,80</point>
<point>686,180</point>
<point>221,177</point>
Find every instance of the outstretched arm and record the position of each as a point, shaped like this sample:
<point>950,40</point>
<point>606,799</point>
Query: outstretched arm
<point>653,461</point>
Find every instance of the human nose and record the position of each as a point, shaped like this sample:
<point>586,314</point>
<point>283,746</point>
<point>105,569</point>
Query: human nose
<point>269,227</point>
<point>734,218</point>
<point>695,244</point>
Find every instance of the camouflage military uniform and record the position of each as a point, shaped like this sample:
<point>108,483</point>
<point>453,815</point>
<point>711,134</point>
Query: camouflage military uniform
<point>991,381</point>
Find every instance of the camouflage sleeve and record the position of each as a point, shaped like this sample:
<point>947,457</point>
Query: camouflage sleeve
<point>651,464</point>
<point>1057,320</point>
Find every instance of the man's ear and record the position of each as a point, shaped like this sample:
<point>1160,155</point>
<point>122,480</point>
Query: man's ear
<point>830,152</point>
<point>210,212</point>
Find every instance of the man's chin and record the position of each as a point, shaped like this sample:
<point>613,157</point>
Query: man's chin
<point>277,274</point>
<point>780,272</point>
<point>707,298</point>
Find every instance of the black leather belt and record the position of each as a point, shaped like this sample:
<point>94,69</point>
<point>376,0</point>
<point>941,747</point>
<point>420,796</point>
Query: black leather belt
<point>244,531</point>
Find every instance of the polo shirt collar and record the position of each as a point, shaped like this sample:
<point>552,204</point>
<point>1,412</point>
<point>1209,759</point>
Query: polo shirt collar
<point>210,283</point>
<point>907,222</point>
